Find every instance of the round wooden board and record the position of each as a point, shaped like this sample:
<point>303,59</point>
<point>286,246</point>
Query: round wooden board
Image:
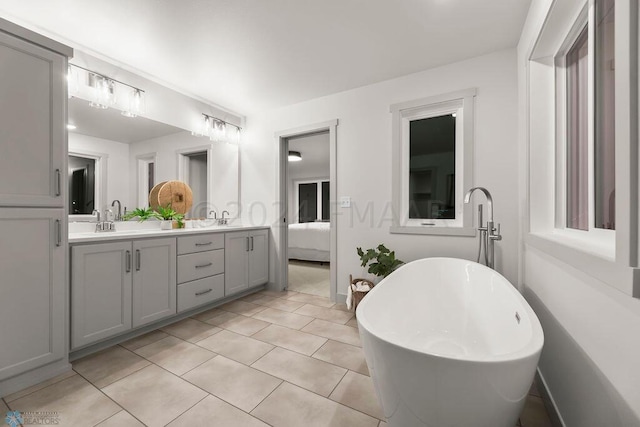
<point>176,194</point>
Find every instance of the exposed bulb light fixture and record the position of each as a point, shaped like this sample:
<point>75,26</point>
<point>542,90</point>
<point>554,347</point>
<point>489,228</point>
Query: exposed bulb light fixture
<point>295,156</point>
<point>218,130</point>
<point>136,103</point>
<point>103,92</point>
<point>72,81</point>
<point>71,126</point>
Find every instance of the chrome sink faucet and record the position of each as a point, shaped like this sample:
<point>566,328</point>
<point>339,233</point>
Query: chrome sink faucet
<point>119,212</point>
<point>223,220</point>
<point>488,234</point>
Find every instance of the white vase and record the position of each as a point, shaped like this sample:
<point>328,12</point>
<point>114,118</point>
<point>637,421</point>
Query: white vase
<point>166,225</point>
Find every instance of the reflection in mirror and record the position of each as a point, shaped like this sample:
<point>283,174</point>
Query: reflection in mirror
<point>81,185</point>
<point>131,155</point>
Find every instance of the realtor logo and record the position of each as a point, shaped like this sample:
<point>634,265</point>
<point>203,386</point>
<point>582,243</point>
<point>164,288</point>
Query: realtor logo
<point>14,418</point>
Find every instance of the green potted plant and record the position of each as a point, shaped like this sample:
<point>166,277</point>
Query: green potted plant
<point>381,260</point>
<point>142,214</point>
<point>168,217</point>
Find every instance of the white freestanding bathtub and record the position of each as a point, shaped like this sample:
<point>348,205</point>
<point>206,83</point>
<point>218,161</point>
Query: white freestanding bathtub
<point>449,343</point>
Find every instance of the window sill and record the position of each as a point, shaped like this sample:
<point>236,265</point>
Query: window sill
<point>593,259</point>
<point>435,231</point>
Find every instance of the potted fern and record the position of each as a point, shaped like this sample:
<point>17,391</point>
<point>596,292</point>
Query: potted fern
<point>381,260</point>
<point>170,218</point>
<point>142,214</point>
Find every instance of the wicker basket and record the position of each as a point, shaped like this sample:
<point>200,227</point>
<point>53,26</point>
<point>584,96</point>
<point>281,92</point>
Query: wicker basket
<point>358,295</point>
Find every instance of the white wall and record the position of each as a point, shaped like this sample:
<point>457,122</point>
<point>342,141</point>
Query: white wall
<point>118,183</point>
<point>364,160</point>
<point>224,184</point>
<point>591,358</point>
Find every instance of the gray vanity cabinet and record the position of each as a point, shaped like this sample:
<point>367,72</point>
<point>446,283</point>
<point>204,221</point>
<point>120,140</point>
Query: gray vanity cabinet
<point>258,257</point>
<point>154,280</point>
<point>246,260</point>
<point>33,242</point>
<point>32,289</point>
<point>121,285</point>
<point>32,124</point>
<point>101,278</point>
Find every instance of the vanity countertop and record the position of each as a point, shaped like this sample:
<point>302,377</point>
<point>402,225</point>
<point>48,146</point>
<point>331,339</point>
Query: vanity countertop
<point>128,234</point>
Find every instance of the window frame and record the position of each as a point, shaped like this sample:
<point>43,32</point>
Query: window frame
<point>609,256</point>
<point>462,103</point>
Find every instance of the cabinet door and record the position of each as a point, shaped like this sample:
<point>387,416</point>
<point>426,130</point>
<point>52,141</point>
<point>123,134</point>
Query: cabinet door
<point>258,257</point>
<point>100,291</point>
<point>236,258</point>
<point>32,289</point>
<point>32,124</point>
<point>154,280</point>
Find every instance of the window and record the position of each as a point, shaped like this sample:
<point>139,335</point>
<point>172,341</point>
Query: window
<point>590,119</point>
<point>432,164</point>
<point>312,200</point>
<point>581,123</point>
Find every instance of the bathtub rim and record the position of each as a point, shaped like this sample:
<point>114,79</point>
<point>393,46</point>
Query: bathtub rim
<point>531,348</point>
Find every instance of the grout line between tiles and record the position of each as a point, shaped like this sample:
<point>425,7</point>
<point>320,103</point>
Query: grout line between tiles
<point>337,384</point>
<point>195,367</point>
<point>188,409</point>
<point>108,397</point>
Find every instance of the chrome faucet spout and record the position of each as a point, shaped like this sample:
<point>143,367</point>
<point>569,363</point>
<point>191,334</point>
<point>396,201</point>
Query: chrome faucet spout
<point>119,213</point>
<point>467,199</point>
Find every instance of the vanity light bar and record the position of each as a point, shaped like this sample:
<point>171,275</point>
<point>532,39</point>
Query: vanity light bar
<point>216,130</point>
<point>106,77</point>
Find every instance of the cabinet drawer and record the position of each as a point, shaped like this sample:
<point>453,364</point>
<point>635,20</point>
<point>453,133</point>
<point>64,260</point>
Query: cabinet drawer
<point>199,265</point>
<point>199,292</point>
<point>200,243</point>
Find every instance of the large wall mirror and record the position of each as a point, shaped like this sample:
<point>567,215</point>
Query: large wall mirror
<point>113,157</point>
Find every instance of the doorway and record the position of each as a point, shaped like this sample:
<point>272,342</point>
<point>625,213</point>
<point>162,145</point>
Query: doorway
<point>82,185</point>
<point>306,198</point>
<point>194,168</point>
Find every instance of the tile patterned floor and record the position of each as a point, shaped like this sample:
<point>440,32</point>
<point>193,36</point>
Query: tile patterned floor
<point>269,359</point>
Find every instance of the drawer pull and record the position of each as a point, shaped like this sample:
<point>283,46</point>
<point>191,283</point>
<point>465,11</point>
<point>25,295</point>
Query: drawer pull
<point>204,265</point>
<point>203,292</point>
<point>204,244</point>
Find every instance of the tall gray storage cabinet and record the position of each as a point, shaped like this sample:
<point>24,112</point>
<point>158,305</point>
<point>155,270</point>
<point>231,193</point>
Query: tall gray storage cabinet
<point>33,217</point>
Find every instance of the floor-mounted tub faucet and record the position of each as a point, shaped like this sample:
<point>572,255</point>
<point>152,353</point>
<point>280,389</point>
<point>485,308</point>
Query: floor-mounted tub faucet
<point>488,234</point>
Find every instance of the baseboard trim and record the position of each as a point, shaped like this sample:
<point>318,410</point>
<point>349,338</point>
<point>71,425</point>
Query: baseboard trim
<point>33,377</point>
<point>549,402</point>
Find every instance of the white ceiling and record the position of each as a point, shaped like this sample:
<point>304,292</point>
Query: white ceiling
<point>112,125</point>
<point>315,156</point>
<point>251,55</point>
